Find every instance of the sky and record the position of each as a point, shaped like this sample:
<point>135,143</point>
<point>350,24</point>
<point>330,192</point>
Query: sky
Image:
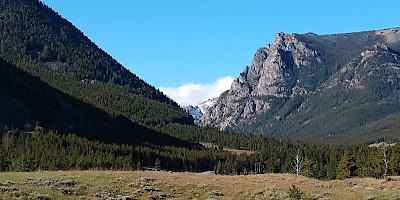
<point>192,50</point>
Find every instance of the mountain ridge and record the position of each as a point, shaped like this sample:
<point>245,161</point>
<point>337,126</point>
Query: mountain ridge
<point>285,75</point>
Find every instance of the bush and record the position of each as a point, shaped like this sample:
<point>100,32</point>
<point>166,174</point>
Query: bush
<point>294,192</point>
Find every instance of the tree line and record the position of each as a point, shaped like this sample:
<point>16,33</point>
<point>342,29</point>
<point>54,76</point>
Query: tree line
<point>48,150</point>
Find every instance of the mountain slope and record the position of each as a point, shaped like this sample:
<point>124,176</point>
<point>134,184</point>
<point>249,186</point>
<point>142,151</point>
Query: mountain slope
<point>312,87</point>
<point>26,100</point>
<point>38,40</point>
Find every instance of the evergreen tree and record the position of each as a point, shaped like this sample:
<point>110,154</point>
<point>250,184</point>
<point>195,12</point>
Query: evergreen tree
<point>139,165</point>
<point>394,163</point>
<point>307,169</point>
<point>346,167</point>
<point>157,164</point>
<point>4,163</point>
<point>218,168</point>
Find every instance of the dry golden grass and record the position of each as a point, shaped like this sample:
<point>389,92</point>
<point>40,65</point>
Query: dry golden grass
<point>199,186</point>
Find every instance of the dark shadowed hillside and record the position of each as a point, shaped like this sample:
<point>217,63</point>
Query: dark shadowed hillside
<point>26,100</point>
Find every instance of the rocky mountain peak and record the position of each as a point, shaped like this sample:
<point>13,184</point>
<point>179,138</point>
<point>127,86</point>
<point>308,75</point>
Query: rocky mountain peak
<point>272,74</point>
<point>272,69</point>
<point>302,82</point>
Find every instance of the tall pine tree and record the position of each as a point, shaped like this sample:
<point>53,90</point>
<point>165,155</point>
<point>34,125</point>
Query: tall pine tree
<point>347,167</point>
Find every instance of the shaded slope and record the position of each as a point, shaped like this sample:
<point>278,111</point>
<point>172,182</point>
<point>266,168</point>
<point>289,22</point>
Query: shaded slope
<point>25,99</point>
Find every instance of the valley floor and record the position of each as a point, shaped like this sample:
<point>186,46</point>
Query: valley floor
<point>171,185</point>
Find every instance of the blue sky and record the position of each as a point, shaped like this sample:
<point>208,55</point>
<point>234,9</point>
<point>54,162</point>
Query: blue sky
<point>187,47</point>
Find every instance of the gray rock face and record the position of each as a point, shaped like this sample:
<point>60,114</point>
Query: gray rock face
<point>273,73</point>
<point>195,112</point>
<point>357,73</point>
<point>198,110</point>
<point>301,65</point>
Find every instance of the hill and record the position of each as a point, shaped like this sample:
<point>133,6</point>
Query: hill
<point>320,88</point>
<point>36,39</point>
<point>26,102</point>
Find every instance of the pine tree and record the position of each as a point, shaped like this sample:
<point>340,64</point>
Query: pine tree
<point>218,168</point>
<point>139,165</point>
<point>346,167</point>
<point>363,161</point>
<point>157,164</point>
<point>307,168</point>
<point>395,161</point>
<point>4,164</point>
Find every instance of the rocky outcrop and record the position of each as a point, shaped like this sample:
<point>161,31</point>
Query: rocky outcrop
<point>301,65</point>
<point>272,74</point>
<point>379,59</point>
<point>198,110</point>
<point>195,112</point>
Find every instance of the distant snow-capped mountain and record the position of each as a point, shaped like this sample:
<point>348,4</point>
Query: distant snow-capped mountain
<point>207,104</point>
<point>198,110</point>
<point>195,112</point>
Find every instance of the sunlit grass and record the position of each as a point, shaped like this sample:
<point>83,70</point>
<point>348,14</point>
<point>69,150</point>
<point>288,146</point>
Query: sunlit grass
<point>117,184</point>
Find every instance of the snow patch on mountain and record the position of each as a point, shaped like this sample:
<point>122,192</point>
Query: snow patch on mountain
<point>207,104</point>
<point>198,110</point>
<point>195,112</point>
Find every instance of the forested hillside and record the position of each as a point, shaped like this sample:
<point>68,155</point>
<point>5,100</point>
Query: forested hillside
<point>26,101</point>
<point>39,41</point>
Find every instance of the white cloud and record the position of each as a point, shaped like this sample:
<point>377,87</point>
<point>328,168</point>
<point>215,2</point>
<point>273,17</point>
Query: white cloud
<point>193,93</point>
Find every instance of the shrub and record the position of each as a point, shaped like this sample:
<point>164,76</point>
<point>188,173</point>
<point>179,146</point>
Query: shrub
<point>294,192</point>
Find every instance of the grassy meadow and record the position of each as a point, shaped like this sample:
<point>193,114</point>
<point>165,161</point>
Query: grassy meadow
<point>171,185</point>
